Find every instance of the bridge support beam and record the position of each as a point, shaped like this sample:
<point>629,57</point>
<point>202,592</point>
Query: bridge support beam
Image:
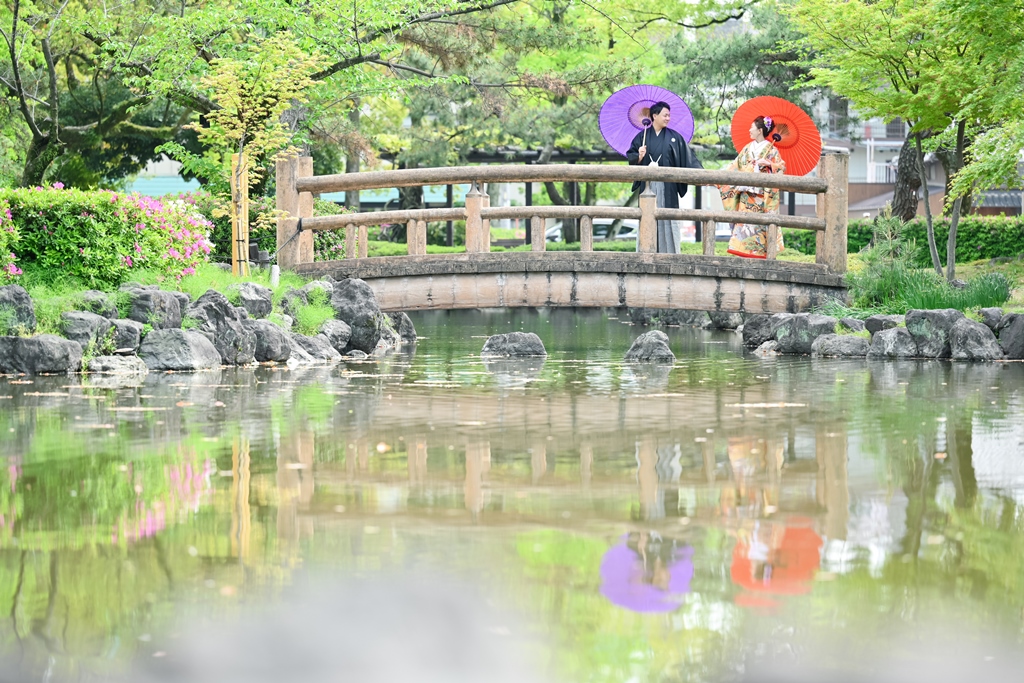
<point>647,240</point>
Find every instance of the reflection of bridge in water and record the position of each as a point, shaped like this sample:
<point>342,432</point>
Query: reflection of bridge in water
<point>478,279</point>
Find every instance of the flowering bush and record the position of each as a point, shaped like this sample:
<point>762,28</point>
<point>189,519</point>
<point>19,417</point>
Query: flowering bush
<point>214,209</point>
<point>9,237</point>
<point>100,237</point>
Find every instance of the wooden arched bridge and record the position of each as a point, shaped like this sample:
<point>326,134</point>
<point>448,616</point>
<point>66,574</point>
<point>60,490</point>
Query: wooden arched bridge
<point>480,279</point>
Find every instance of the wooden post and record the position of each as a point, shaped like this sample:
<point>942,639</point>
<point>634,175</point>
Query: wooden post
<point>416,237</point>
<point>707,238</point>
<point>647,240</point>
<point>833,207</point>
<point>288,206</point>
<point>364,241</point>
<point>538,240</point>
<point>350,241</point>
<point>485,230</point>
<point>305,239</point>
<point>772,243</point>
<point>474,224</point>
<point>239,215</point>
<point>586,234</point>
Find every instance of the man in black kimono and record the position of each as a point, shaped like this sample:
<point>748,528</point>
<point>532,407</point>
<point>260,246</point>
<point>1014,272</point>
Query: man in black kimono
<point>663,147</point>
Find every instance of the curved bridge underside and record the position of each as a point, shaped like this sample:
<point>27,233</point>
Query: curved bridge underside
<point>587,279</point>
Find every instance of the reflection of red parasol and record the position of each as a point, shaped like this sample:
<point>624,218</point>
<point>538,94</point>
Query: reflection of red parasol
<point>801,142</point>
<point>786,570</point>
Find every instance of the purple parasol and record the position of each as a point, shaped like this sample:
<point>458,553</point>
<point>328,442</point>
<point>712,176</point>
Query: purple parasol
<point>623,114</point>
<point>625,580</point>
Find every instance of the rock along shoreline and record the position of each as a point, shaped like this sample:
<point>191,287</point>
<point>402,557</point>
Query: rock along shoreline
<point>158,330</point>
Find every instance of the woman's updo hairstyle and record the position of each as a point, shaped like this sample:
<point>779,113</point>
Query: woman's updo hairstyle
<point>766,126</point>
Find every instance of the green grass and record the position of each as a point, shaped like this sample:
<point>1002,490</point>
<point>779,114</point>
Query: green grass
<point>309,318</point>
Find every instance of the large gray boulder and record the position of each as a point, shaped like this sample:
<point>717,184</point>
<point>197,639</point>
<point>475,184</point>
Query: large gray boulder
<point>88,329</point>
<point>930,330</point>
<point>840,345</point>
<point>98,302</point>
<point>683,317</point>
<point>403,326</point>
<point>45,353</point>
<point>127,335</point>
<point>1011,336</point>
<point>970,340</point>
<point>17,314</point>
<point>256,299</point>
<point>768,349</point>
<point>338,333</point>
<point>877,323</point>
<point>650,347</point>
<point>796,333</point>
<point>299,355</point>
<point>991,317</point>
<point>221,323</point>
<point>853,324</point>
<point>118,365</point>
<point>354,303</point>
<point>757,329</point>
<point>156,308</point>
<point>514,345</point>
<point>724,320</point>
<point>184,301</point>
<point>318,346</point>
<point>894,342</point>
<point>175,349</point>
<point>273,344</point>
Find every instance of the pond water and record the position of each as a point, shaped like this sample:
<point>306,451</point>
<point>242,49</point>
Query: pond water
<point>435,517</point>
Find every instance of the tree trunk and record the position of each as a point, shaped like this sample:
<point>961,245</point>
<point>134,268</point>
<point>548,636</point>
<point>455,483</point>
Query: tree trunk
<point>908,180</point>
<point>954,221</point>
<point>41,153</point>
<point>927,208</point>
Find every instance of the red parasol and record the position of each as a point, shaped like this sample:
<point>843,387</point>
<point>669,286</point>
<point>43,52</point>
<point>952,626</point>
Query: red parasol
<point>800,146</point>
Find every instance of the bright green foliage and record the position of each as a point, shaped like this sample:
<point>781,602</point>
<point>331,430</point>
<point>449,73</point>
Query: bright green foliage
<point>714,73</point>
<point>891,282</point>
<point>309,317</point>
<point>981,237</point>
<point>100,238</point>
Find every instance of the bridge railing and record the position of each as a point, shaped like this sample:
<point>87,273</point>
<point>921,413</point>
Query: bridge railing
<point>296,186</point>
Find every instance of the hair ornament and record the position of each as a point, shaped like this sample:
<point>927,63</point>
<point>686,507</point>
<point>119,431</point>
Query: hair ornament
<point>768,122</point>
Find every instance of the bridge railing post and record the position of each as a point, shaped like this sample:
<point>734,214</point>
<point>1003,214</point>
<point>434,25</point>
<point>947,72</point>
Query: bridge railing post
<point>485,224</point>
<point>538,240</point>
<point>647,239</point>
<point>833,207</point>
<point>364,241</point>
<point>288,211</point>
<point>416,237</point>
<point>707,238</point>
<point>350,241</point>
<point>305,238</point>
<point>586,233</point>
<point>474,224</point>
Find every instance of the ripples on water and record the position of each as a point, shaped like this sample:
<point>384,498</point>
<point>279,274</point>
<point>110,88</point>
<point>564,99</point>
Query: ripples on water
<point>572,519</point>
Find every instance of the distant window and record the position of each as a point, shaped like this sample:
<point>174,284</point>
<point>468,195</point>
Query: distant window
<point>895,129</point>
<point>838,116</point>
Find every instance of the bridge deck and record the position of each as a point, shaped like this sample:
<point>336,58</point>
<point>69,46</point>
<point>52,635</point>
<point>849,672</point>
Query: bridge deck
<point>587,279</point>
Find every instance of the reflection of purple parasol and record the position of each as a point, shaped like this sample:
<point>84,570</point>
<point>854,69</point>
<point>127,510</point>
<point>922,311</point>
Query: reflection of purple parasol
<point>625,580</point>
<point>623,113</point>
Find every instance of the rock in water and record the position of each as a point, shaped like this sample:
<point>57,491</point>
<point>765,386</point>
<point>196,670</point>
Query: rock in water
<point>970,340</point>
<point>44,353</point>
<point>650,347</point>
<point>514,345</point>
<point>355,303</point>
<point>178,350</point>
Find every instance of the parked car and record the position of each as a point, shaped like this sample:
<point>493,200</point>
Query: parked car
<point>628,229</point>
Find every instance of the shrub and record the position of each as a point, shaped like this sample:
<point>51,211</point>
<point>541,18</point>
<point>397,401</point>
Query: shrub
<point>891,282</point>
<point>9,237</point>
<point>100,238</point>
<point>216,212</point>
<point>330,245</point>
<point>977,237</point>
<point>309,318</point>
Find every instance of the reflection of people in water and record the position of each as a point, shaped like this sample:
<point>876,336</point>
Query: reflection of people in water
<point>647,573</point>
<point>751,458</point>
<point>776,558</point>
